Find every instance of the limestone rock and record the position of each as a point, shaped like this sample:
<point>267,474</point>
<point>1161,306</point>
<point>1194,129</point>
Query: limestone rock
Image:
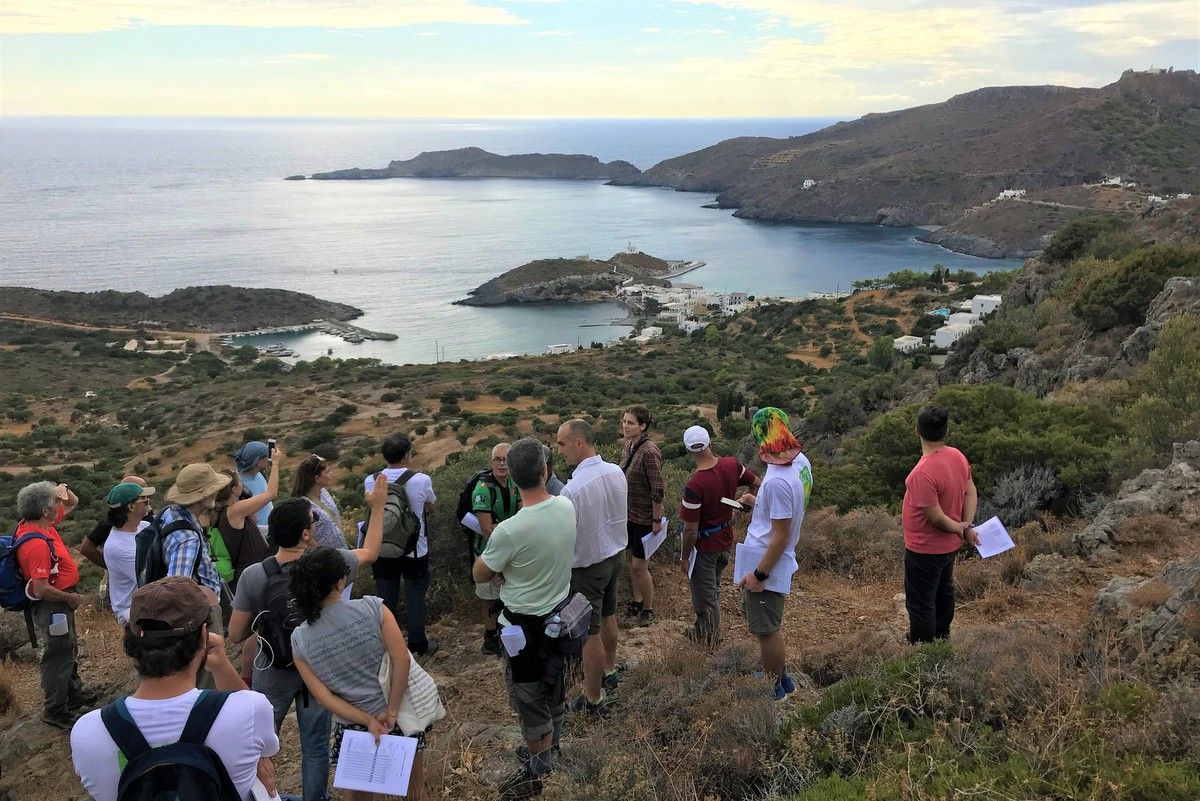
<point>1049,571</point>
<point>1179,296</point>
<point>1150,626</point>
<point>1162,491</point>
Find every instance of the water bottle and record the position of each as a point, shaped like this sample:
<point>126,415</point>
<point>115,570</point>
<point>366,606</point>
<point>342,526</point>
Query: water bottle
<point>554,627</point>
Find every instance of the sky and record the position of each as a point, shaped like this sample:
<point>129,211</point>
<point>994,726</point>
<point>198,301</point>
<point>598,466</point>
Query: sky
<point>564,58</point>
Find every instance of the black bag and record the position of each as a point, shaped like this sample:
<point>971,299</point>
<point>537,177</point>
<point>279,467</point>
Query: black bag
<point>275,623</point>
<point>150,563</point>
<point>401,526</point>
<point>187,770</point>
<point>464,495</point>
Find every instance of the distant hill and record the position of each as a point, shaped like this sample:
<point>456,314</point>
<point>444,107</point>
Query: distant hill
<point>200,308</point>
<point>931,164</point>
<point>473,162</point>
<point>578,280</point>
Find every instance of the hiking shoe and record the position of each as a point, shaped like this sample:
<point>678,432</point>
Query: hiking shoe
<point>431,646</point>
<point>581,705</point>
<point>522,752</point>
<point>60,720</point>
<point>645,618</point>
<point>521,783</point>
<point>611,681</point>
<point>633,608</point>
<point>87,697</point>
<point>491,645</point>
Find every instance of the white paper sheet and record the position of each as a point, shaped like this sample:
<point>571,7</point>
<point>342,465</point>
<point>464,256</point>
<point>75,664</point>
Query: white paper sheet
<point>258,792</point>
<point>383,769</point>
<point>993,538</point>
<point>652,542</point>
<point>691,560</point>
<point>471,521</point>
<point>746,559</point>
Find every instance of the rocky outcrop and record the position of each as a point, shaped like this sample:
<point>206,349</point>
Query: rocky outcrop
<point>578,280</point>
<point>1166,491</point>
<point>1179,296</point>
<point>1150,627</point>
<point>473,162</point>
<point>1049,571</point>
<point>1020,368</point>
<point>565,289</point>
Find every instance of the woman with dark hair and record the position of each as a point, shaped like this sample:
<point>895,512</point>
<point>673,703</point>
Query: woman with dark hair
<point>641,461</point>
<point>237,542</point>
<point>127,505</point>
<point>338,651</point>
<point>312,482</point>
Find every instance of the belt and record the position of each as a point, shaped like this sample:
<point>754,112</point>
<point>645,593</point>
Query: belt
<point>708,532</point>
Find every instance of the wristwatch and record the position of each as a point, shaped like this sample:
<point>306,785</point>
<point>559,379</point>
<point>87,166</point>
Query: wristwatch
<point>761,576</point>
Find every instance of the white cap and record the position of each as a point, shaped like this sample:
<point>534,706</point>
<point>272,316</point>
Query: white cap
<point>696,439</point>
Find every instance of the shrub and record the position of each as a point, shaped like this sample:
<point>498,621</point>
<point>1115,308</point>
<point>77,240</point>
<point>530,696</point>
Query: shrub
<point>1018,495</point>
<point>1077,236</point>
<point>1121,296</point>
<point>1165,397</point>
<point>864,543</point>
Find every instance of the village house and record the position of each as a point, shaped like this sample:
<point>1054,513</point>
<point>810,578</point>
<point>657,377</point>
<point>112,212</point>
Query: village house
<point>907,344</point>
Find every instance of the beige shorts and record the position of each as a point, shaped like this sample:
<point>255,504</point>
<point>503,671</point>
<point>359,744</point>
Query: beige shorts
<point>763,610</point>
<point>488,590</point>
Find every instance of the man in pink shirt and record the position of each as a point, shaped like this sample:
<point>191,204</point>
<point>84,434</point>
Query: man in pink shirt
<point>939,505</point>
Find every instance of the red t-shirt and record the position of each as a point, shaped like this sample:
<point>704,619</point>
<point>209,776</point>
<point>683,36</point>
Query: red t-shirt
<point>702,501</point>
<point>939,479</point>
<point>34,558</point>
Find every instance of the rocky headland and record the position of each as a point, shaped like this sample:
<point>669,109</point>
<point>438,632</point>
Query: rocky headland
<point>473,162</point>
<point>577,280</point>
<point>194,308</point>
<point>936,165</point>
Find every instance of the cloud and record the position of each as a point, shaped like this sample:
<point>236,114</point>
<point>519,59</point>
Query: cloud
<point>556,33</point>
<point>306,57</point>
<point>90,16</point>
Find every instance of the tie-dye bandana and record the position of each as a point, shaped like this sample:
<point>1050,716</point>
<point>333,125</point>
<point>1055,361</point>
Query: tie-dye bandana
<point>776,443</point>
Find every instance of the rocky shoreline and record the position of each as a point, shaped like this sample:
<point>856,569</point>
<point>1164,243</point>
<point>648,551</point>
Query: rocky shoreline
<point>474,162</point>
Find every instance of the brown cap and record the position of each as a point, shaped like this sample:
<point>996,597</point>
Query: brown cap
<point>178,602</point>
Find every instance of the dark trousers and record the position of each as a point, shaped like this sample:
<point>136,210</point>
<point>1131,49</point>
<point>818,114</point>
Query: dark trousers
<point>414,572</point>
<point>59,657</point>
<point>929,594</point>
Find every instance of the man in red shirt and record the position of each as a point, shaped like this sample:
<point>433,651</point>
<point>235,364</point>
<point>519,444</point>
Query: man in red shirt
<point>939,505</point>
<point>52,574</point>
<point>708,527</point>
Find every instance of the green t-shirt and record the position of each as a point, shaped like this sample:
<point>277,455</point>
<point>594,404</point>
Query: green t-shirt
<point>486,499</point>
<point>533,550</point>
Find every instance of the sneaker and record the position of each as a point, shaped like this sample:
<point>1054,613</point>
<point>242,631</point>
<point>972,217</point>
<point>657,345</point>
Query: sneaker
<point>633,608</point>
<point>645,618</point>
<point>60,720</point>
<point>431,646</point>
<point>491,645</point>
<point>522,752</point>
<point>581,705</point>
<point>784,686</point>
<point>87,697</point>
<point>521,783</point>
<point>612,681</point>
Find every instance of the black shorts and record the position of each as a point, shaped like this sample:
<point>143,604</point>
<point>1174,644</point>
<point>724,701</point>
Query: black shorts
<point>636,531</point>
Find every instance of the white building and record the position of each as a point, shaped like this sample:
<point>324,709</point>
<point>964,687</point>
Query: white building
<point>809,183</point>
<point>962,318</point>
<point>673,316</point>
<point>689,326</point>
<point>561,348</point>
<point>1010,194</point>
<point>1184,195</point>
<point>984,304</point>
<point>907,344</point>
<point>1154,200</point>
<point>947,335</point>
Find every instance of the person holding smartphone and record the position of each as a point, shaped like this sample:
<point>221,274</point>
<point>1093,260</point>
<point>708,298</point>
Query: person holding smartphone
<point>252,459</point>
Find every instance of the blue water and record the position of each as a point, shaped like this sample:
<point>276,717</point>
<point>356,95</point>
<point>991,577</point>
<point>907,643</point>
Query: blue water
<point>157,204</point>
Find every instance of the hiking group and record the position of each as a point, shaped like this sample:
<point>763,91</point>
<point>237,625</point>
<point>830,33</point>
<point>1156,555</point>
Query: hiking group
<point>224,563</point>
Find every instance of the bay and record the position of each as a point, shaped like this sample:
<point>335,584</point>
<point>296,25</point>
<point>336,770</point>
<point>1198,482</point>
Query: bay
<point>155,204</point>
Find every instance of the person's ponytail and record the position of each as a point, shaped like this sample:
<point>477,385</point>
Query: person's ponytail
<point>312,577</point>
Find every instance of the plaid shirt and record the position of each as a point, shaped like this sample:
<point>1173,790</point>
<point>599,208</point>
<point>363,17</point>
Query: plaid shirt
<point>644,474</point>
<point>186,551</point>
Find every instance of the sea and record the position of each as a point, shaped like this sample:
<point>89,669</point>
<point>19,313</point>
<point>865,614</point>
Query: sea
<point>155,204</point>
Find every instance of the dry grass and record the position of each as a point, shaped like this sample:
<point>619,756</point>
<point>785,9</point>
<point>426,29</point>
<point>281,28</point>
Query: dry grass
<point>1149,529</point>
<point>863,543</point>
<point>1151,594</point>
<point>9,704</point>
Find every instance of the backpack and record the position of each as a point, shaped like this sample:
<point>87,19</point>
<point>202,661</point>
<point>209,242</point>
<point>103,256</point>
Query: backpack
<point>278,619</point>
<point>150,561</point>
<point>464,495</point>
<point>401,526</point>
<point>187,770</point>
<point>12,581</point>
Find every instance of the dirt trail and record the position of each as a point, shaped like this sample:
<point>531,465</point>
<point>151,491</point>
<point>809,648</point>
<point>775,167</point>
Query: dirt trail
<point>203,338</point>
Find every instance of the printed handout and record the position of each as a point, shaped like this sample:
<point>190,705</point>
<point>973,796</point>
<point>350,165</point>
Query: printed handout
<point>746,559</point>
<point>375,769</point>
<point>652,542</point>
<point>993,538</point>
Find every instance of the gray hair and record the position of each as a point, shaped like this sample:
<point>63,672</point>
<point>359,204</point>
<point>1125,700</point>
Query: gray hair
<point>33,499</point>
<point>527,463</point>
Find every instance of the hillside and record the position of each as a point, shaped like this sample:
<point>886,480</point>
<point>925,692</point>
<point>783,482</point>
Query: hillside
<point>473,162</point>
<point>931,164</point>
<point>578,280</point>
<point>195,308</point>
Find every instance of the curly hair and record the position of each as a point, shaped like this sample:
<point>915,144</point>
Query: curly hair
<point>312,577</point>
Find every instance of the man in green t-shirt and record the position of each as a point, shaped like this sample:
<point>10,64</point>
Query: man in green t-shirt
<point>494,500</point>
<point>533,550</point>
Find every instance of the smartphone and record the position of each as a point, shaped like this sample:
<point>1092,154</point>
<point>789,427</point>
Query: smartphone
<point>271,448</point>
<point>741,507</point>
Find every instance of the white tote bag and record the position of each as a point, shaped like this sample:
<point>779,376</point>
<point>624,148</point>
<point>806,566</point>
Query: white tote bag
<point>422,705</point>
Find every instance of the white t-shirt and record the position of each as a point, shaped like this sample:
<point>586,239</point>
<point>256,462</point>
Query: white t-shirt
<point>120,556</point>
<point>419,489</point>
<point>600,493</point>
<point>783,495</point>
<point>243,732</point>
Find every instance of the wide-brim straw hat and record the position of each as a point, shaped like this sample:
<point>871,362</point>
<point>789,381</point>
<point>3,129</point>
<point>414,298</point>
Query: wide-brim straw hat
<point>195,483</point>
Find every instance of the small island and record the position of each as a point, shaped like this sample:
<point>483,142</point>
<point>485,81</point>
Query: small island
<point>578,280</point>
<point>474,162</point>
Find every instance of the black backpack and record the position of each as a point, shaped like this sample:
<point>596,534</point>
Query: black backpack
<point>464,495</point>
<point>187,770</point>
<point>278,619</point>
<point>150,563</point>
<point>401,526</point>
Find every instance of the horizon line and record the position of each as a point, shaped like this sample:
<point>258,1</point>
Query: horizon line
<point>4,116</point>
